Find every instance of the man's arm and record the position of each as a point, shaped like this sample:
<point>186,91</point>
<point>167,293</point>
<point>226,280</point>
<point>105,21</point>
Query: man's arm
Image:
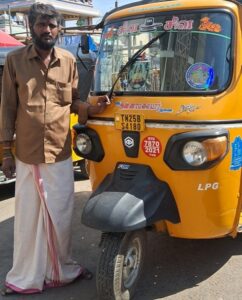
<point>85,109</point>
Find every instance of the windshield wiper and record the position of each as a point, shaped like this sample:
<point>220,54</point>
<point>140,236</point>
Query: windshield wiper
<point>132,60</point>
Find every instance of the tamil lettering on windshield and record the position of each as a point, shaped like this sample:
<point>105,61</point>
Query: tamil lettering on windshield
<point>194,56</point>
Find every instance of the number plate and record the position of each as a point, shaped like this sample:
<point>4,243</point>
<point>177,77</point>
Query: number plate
<point>130,122</point>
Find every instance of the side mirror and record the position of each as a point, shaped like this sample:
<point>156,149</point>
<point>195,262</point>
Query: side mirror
<point>84,44</point>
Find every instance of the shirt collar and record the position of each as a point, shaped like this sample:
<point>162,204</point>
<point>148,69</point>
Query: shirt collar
<point>32,53</point>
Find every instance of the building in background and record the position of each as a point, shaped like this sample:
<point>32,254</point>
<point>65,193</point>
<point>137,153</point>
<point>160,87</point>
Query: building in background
<point>13,13</point>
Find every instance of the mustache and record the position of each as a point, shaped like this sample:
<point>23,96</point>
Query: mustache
<point>46,35</point>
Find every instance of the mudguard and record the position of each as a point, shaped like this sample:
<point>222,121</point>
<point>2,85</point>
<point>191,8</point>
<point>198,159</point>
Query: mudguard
<point>130,198</point>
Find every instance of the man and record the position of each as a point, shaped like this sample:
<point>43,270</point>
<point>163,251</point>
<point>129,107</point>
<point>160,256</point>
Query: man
<point>39,92</point>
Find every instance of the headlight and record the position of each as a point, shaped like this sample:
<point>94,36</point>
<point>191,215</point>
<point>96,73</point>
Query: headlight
<point>83,143</point>
<point>197,153</point>
<point>194,153</point>
<point>86,143</point>
<point>196,150</point>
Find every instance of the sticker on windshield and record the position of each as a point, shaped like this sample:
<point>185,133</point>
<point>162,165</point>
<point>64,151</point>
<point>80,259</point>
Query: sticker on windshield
<point>177,24</point>
<point>127,29</point>
<point>137,76</point>
<point>150,25</point>
<point>207,25</point>
<point>200,76</point>
<point>110,33</point>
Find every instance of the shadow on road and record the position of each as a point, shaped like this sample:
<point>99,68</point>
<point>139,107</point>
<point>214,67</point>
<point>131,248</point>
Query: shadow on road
<point>174,265</point>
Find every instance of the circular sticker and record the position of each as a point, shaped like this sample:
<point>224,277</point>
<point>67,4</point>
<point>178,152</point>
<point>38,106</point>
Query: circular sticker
<point>200,76</point>
<point>151,146</point>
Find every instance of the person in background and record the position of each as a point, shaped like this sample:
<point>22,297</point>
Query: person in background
<point>39,91</point>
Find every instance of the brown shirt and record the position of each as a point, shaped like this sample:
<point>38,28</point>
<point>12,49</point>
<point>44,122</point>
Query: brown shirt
<point>36,102</point>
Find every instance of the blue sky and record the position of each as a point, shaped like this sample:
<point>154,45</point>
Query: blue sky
<point>105,5</point>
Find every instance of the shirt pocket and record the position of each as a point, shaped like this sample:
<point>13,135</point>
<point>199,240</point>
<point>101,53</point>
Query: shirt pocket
<point>64,92</point>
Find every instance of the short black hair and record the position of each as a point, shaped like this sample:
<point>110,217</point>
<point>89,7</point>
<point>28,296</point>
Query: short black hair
<point>44,10</point>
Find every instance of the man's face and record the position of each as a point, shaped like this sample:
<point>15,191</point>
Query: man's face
<point>45,33</point>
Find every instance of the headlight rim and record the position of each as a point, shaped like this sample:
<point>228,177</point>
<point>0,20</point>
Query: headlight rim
<point>97,154</point>
<point>172,154</point>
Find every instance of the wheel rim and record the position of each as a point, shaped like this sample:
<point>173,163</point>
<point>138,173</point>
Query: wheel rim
<point>132,261</point>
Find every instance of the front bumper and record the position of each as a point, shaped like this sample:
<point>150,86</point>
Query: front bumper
<point>130,198</point>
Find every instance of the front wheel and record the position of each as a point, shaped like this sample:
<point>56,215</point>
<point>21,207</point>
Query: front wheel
<point>120,264</point>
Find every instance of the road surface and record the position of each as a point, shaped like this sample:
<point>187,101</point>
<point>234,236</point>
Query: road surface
<point>176,269</point>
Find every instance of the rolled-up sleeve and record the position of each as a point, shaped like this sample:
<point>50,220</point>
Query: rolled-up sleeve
<point>9,102</point>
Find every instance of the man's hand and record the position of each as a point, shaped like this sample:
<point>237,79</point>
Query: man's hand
<point>86,109</point>
<point>102,103</point>
<point>8,166</point>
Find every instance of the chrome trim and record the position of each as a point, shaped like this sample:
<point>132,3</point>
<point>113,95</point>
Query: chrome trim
<point>172,126</point>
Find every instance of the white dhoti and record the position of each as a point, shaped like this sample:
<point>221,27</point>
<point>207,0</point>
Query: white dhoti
<point>44,198</point>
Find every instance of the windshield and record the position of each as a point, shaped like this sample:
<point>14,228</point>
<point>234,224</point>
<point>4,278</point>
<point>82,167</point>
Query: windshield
<point>193,56</point>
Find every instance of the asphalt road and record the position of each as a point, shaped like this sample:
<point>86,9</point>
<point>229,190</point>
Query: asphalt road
<point>175,269</point>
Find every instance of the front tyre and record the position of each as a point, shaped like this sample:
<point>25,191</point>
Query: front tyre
<point>120,264</point>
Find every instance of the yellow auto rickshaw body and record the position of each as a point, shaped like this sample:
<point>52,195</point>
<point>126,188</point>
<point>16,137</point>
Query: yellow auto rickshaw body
<point>203,96</point>
<point>166,154</point>
<point>73,121</point>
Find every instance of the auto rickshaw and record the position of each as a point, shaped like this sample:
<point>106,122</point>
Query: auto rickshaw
<point>166,154</point>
